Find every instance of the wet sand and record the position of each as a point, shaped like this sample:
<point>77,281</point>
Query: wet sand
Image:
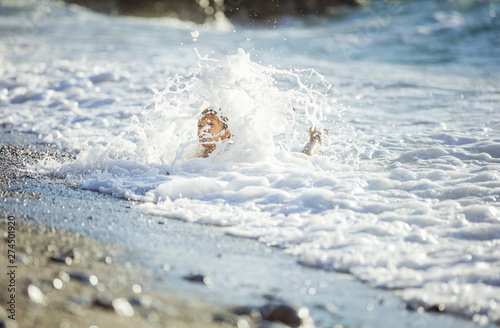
<point>64,279</point>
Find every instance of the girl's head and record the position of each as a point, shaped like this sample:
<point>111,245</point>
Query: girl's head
<point>212,128</point>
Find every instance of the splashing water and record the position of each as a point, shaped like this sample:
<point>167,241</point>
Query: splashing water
<point>269,112</point>
<point>265,107</point>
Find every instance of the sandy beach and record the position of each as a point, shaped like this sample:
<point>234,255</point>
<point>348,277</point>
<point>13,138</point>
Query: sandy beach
<point>62,278</point>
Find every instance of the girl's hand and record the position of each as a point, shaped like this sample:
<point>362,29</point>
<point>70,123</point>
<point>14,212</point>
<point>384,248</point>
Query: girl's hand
<point>318,135</point>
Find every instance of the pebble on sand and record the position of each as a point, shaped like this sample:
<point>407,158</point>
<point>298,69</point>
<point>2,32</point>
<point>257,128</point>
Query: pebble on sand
<point>36,295</point>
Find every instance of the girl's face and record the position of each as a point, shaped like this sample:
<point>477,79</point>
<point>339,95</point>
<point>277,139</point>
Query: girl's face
<point>210,130</point>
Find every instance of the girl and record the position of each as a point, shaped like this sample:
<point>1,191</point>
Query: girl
<point>213,132</point>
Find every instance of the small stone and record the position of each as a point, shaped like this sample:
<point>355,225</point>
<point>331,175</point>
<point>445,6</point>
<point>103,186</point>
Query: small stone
<point>224,320</point>
<point>63,259</point>
<point>93,280</point>
<point>122,307</point>
<point>106,259</point>
<point>198,278</point>
<point>51,248</point>
<point>23,259</point>
<point>136,288</point>
<point>195,278</point>
<point>57,283</point>
<point>144,302</point>
<point>64,276</point>
<point>105,300</point>
<point>282,313</point>
<point>36,295</point>
<point>74,254</point>
<point>85,279</point>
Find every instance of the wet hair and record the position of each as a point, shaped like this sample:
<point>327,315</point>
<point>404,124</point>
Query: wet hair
<point>218,114</point>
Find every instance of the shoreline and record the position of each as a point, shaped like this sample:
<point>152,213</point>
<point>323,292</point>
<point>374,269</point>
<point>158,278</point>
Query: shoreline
<point>69,275</point>
<point>62,278</point>
<point>62,230</point>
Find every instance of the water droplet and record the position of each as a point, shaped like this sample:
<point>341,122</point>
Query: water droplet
<point>195,35</point>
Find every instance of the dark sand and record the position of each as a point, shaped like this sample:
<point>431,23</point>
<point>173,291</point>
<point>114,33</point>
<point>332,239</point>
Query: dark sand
<point>64,279</point>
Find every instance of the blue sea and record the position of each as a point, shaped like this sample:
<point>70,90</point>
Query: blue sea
<point>403,196</point>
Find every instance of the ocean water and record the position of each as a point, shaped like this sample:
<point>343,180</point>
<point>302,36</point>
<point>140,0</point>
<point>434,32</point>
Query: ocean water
<point>404,194</point>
